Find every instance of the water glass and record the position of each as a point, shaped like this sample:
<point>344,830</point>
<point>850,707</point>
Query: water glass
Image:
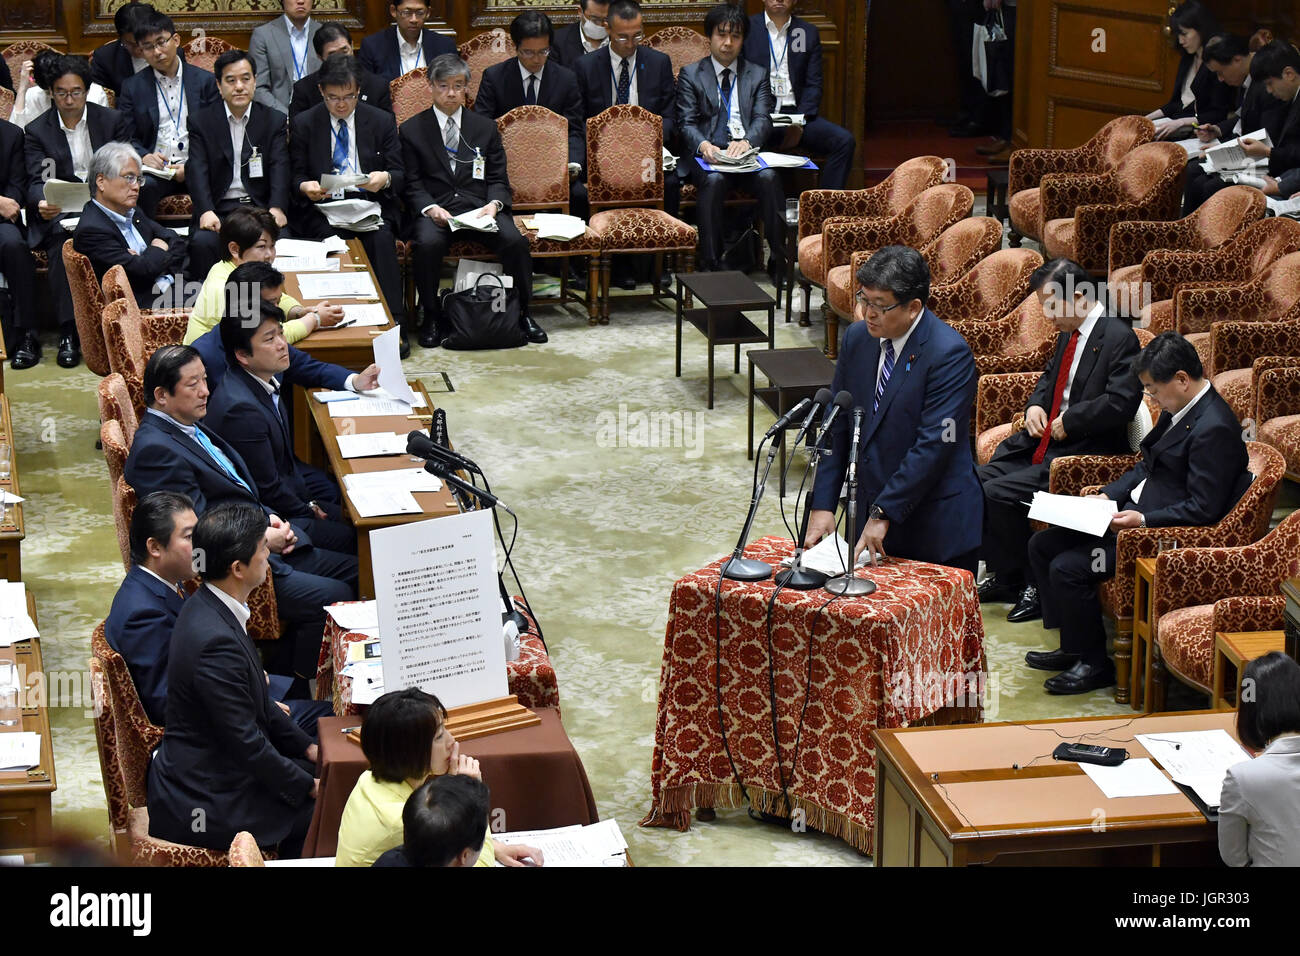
<point>6,459</point>
<point>792,212</point>
<point>9,710</point>
<point>1166,544</point>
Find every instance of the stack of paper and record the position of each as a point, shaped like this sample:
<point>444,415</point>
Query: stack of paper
<point>67,196</point>
<point>314,262</point>
<point>555,226</point>
<point>363,314</point>
<point>372,504</point>
<point>371,444</point>
<point>15,624</point>
<point>167,172</point>
<point>377,402</point>
<point>830,556</point>
<point>469,270</point>
<point>1229,156</point>
<point>354,615</point>
<point>788,119</point>
<point>308,247</point>
<point>746,162</point>
<point>1089,515</point>
<point>1196,758</point>
<point>783,160</point>
<point>482,222</point>
<point>20,750</point>
<point>353,284</point>
<point>358,215</point>
<point>367,680</point>
<point>395,481</point>
<point>600,844</point>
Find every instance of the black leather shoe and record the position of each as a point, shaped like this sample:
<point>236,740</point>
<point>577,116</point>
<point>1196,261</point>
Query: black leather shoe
<point>404,350</point>
<point>430,337</point>
<point>1028,607</point>
<point>627,282</point>
<point>776,272</point>
<point>1056,660</point>
<point>69,355</point>
<point>577,280</point>
<point>28,353</point>
<point>536,334</point>
<point>993,590</point>
<point>1081,678</point>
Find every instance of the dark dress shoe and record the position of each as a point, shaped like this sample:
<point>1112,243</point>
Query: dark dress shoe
<point>627,282</point>
<point>993,590</point>
<point>1028,607</point>
<point>577,280</point>
<point>69,355</point>
<point>28,353</point>
<point>1081,678</point>
<point>536,334</point>
<point>1056,660</point>
<point>430,336</point>
<point>404,350</point>
<point>997,146</point>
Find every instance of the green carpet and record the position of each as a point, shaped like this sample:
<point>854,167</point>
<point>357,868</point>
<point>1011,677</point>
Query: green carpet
<point>606,526</point>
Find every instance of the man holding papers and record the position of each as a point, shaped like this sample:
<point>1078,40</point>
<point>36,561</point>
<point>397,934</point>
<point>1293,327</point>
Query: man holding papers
<point>1278,67</point>
<point>1192,471</point>
<point>1082,405</point>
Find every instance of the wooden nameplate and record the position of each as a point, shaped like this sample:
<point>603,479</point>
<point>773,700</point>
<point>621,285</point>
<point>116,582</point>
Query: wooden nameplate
<point>489,717</point>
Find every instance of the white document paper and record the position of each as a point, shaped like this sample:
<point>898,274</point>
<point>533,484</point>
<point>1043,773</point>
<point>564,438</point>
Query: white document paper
<point>669,160</point>
<point>20,750</point>
<point>373,504</point>
<point>310,263</point>
<point>1229,155</point>
<point>332,181</point>
<point>371,444</point>
<point>599,844</point>
<point>364,314</point>
<point>1194,147</point>
<point>395,480</point>
<point>556,226</point>
<point>167,172</point>
<point>1196,758</point>
<point>1283,207</point>
<point>830,556</point>
<point>309,247</point>
<point>1089,515</point>
<point>67,196</point>
<point>334,395</point>
<point>388,356</point>
<point>468,271</point>
<point>1135,777</point>
<point>354,615</point>
<point>358,215</point>
<point>479,223</point>
<point>352,284</point>
<point>371,404</point>
<point>789,119</point>
<point>783,160</point>
<point>367,681</point>
<point>436,583</point>
<point>15,624</point>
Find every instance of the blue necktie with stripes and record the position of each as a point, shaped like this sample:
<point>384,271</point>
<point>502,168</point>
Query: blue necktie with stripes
<point>886,371</point>
<point>217,455</point>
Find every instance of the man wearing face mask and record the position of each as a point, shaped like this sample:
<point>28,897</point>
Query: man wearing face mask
<point>587,35</point>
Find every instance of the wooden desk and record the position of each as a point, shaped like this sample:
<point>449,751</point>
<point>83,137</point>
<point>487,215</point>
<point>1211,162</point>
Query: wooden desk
<point>949,796</point>
<point>12,531</point>
<point>1231,651</point>
<point>1137,689</point>
<point>25,815</point>
<point>435,504</point>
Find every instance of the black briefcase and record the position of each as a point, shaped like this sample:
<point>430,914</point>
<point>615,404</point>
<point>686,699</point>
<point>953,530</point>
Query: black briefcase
<point>484,316</point>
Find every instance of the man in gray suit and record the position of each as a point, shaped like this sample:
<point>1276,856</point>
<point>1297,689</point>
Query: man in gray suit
<point>724,106</point>
<point>283,53</point>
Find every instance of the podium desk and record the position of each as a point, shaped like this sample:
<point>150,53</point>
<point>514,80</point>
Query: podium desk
<point>25,795</point>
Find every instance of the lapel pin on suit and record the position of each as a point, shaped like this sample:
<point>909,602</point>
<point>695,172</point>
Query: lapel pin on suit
<point>910,359</point>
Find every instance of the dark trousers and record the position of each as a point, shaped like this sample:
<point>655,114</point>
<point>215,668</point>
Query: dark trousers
<point>380,246</point>
<point>290,848</point>
<point>433,239</point>
<point>306,580</point>
<point>823,138</point>
<point>1008,483</point>
<point>1200,186</point>
<point>60,292</point>
<point>324,490</point>
<point>1068,566</point>
<point>154,190</point>
<point>20,272</point>
<point>961,20</point>
<point>712,189</point>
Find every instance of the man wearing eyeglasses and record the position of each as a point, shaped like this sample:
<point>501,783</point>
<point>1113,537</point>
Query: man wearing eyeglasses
<point>587,35</point>
<point>408,46</point>
<point>334,39</point>
<point>158,103</point>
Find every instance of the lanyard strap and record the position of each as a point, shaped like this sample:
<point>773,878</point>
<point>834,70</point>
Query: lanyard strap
<point>298,68</point>
<point>174,117</point>
<point>419,54</point>
<point>784,50</point>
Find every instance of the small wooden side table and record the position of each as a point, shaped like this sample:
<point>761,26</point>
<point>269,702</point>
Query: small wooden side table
<point>1138,690</point>
<point>1231,652</point>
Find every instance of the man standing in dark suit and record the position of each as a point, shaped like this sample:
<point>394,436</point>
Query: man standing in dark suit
<point>112,231</point>
<point>791,50</point>
<point>587,35</point>
<point>1192,471</point>
<point>230,758</point>
<point>1082,405</point>
<point>220,183</point>
<point>173,452</point>
<point>157,103</point>
<point>345,136</point>
<point>283,54</point>
<point>1277,66</point>
<point>914,379</point>
<point>334,39</point>
<point>392,53</point>
<point>118,60</point>
<point>60,144</point>
<point>15,259</point>
<point>724,105</point>
<point>455,165</point>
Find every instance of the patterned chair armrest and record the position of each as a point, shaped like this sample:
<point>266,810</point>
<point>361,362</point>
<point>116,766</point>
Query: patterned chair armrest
<point>1255,613</point>
<point>816,206</point>
<point>1028,167</point>
<point>844,236</point>
<point>1196,309</point>
<point>1134,543</point>
<point>987,337</point>
<point>1130,241</point>
<point>1017,362</point>
<point>1076,474</point>
<point>1166,269</point>
<point>1092,225</point>
<point>163,327</point>
<point>1001,398</point>
<point>1062,195</point>
<point>1236,344</point>
<point>1189,576</point>
<point>1277,393</point>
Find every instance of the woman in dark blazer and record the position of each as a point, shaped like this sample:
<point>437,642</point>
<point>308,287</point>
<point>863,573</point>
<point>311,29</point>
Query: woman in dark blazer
<point>1199,95</point>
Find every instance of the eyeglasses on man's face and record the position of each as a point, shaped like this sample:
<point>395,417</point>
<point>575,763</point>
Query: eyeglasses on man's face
<point>451,88</point>
<point>131,179</point>
<point>541,54</point>
<point>627,38</point>
<point>340,100</point>
<point>157,46</point>
<point>68,94</point>
<point>871,307</point>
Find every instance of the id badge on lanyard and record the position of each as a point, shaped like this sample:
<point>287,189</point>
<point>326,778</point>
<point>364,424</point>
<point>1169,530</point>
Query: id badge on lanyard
<point>480,164</point>
<point>255,164</point>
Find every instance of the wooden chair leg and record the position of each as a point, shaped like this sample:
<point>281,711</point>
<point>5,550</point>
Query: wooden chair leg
<point>1159,678</point>
<point>593,302</point>
<point>832,330</point>
<point>604,288</point>
<point>658,271</point>
<point>1013,237</point>
<point>805,290</point>
<point>1123,663</point>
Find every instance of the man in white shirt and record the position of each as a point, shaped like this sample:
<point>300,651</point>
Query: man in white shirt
<point>283,54</point>
<point>408,46</point>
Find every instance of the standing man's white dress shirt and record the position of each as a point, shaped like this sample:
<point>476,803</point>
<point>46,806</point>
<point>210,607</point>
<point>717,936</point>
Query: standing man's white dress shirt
<point>172,141</point>
<point>778,42</point>
<point>412,54</point>
<point>298,40</point>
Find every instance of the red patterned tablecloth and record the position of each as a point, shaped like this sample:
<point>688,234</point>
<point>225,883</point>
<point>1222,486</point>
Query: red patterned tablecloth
<point>532,676</point>
<point>912,652</point>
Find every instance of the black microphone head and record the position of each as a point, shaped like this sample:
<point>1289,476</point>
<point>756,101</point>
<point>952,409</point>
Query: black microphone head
<point>823,396</point>
<point>435,467</point>
<point>418,444</point>
<point>844,400</point>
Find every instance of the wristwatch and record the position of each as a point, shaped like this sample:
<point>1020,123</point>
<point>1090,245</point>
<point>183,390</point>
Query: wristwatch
<point>877,513</point>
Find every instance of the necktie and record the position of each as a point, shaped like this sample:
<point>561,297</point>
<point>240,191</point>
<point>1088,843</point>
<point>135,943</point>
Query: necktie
<point>341,147</point>
<point>885,372</point>
<point>530,95</point>
<point>180,592</point>
<point>1062,378</point>
<point>451,139</point>
<point>624,83</point>
<point>721,133</point>
<point>217,455</point>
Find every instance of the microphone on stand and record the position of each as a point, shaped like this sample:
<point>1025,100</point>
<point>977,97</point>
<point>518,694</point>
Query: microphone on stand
<point>848,582</point>
<point>796,576</point>
<point>419,445</point>
<point>443,471</point>
<point>787,418</point>
<point>820,401</point>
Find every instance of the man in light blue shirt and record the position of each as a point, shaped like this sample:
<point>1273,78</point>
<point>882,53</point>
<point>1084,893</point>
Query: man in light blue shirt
<point>283,53</point>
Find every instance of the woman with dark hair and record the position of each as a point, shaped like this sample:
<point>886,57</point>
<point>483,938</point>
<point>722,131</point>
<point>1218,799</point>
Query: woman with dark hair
<point>406,740</point>
<point>1199,95</point>
<point>1259,812</point>
<point>37,75</point>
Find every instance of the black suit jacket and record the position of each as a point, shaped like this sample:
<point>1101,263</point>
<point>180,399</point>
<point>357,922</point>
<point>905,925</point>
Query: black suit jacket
<point>429,178</point>
<point>228,750</point>
<point>98,239</point>
<point>1213,98</point>
<point>311,151</point>
<point>138,102</point>
<point>374,92</point>
<point>502,89</point>
<point>303,369</point>
<point>1286,145</point>
<point>803,58</point>
<point>1257,108</point>
<point>45,142</point>
<point>697,104</point>
<point>566,46</point>
<point>1104,395</point>
<point>111,66</point>
<point>1194,472</point>
<point>13,166</point>
<point>139,627</point>
<point>655,87</point>
<point>211,165</point>
<point>379,53</point>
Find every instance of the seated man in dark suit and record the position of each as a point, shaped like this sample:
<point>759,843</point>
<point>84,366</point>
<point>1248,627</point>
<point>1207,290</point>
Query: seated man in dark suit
<point>60,141</point>
<point>158,103</point>
<point>221,183</point>
<point>455,164</point>
<point>724,105</point>
<point>147,603</point>
<point>1192,471</point>
<point>1277,66</point>
<point>392,53</point>
<point>344,136</point>
<point>117,60</point>
<point>230,759</point>
<point>791,50</point>
<point>15,259</point>
<point>913,379</point>
<point>173,452</point>
<point>114,232</point>
<point>586,35</point>
<point>1082,405</point>
<point>334,39</point>
<point>247,411</point>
